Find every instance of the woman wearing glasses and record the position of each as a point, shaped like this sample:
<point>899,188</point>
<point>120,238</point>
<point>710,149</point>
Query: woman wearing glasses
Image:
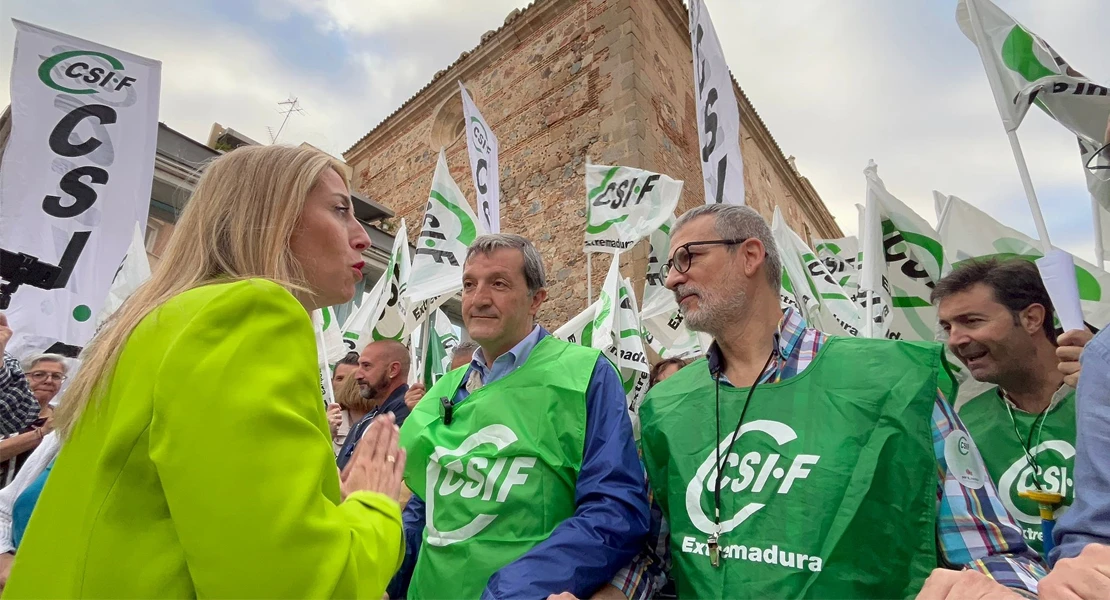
<point>45,374</point>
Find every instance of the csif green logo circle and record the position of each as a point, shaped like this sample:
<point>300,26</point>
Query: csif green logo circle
<point>96,77</point>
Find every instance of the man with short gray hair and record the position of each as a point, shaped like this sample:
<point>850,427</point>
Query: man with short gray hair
<point>523,467</point>
<point>790,464</point>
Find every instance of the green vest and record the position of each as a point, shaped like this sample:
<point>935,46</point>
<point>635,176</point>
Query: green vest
<point>831,489</point>
<point>502,475</point>
<point>1052,444</point>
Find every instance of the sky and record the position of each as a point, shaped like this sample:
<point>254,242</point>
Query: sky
<point>838,82</point>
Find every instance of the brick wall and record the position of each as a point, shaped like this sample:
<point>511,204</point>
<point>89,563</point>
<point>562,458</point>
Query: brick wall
<point>563,81</point>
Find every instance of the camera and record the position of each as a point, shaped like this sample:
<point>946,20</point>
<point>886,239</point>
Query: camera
<point>17,269</point>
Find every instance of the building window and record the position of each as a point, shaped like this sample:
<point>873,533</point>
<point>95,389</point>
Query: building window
<point>449,123</point>
<point>153,228</point>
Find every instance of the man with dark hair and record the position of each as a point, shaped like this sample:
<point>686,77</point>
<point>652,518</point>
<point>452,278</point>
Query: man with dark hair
<point>999,321</point>
<point>522,465</point>
<point>343,369</point>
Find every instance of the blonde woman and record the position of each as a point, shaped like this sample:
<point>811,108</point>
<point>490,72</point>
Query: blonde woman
<point>197,459</point>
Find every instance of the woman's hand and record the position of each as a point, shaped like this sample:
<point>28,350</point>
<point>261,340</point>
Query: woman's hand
<point>377,463</point>
<point>335,418</point>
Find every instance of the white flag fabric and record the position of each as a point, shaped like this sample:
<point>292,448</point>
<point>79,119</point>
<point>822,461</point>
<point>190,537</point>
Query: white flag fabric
<point>1022,69</point>
<point>442,341</point>
<point>483,148</point>
<point>448,229</point>
<point>625,205</point>
<point>840,256</point>
<point>326,391</point>
<point>717,111</point>
<point>809,287</point>
<point>76,176</point>
<point>332,331</point>
<point>902,259</point>
<point>134,272</point>
<point>662,324</point>
<point>382,314</point>
<point>580,328</point>
<point>968,232</point>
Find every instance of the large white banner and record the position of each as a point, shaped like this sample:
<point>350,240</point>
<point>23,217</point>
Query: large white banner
<point>841,258</point>
<point>76,176</point>
<point>624,205</point>
<point>662,324</point>
<point>718,113</point>
<point>448,229</point>
<point>482,145</point>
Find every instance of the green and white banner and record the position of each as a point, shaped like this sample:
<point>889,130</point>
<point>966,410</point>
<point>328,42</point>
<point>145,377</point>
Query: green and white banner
<point>382,314</point>
<point>442,341</point>
<point>661,323</point>
<point>841,258</point>
<point>902,259</point>
<point>1023,69</point>
<point>326,391</point>
<point>625,205</point>
<point>76,176</point>
<point>448,229</point>
<point>809,287</point>
<point>968,232</point>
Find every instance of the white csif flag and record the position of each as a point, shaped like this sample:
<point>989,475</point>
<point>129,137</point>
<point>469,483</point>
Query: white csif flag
<point>483,148</point>
<point>134,272</point>
<point>902,259</point>
<point>624,205</point>
<point>448,229</point>
<point>717,112</point>
<point>76,176</point>
<point>382,314</point>
<point>841,258</point>
<point>822,302</point>
<point>662,324</point>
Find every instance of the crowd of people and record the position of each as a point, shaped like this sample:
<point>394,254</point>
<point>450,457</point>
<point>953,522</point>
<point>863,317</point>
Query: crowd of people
<point>191,454</point>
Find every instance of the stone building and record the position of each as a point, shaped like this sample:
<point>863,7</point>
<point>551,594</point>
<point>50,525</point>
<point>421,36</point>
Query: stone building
<point>562,81</point>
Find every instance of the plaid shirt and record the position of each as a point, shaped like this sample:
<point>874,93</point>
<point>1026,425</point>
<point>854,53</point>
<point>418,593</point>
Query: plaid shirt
<point>973,528</point>
<point>18,407</point>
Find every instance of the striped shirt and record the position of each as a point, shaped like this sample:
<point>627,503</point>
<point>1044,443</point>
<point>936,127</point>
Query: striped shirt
<point>974,530</point>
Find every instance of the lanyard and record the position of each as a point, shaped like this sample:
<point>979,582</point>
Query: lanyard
<point>714,548</point>
<point>1038,425</point>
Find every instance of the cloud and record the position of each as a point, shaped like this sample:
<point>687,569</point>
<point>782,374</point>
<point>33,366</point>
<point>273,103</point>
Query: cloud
<point>839,83</point>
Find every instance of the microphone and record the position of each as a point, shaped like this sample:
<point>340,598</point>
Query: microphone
<point>446,410</point>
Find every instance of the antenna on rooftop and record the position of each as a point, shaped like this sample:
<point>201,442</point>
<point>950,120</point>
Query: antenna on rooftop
<point>288,107</point>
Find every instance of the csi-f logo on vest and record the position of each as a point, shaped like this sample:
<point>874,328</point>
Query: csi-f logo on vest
<point>1055,477</point>
<point>85,72</point>
<point>488,478</point>
<point>754,475</point>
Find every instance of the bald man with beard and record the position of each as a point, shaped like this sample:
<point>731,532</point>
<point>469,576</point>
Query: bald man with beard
<point>383,369</point>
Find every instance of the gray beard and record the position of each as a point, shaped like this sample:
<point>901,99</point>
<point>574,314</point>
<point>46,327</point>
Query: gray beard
<point>713,317</point>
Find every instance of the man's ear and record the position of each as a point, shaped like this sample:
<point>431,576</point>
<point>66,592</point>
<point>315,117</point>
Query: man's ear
<point>537,299</point>
<point>1032,318</point>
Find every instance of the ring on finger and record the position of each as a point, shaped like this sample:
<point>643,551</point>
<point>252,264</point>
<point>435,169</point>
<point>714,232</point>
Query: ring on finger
<point>391,459</point>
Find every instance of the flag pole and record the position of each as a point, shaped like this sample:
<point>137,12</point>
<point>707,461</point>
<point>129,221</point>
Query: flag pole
<point>1030,194</point>
<point>1096,217</point>
<point>589,279</point>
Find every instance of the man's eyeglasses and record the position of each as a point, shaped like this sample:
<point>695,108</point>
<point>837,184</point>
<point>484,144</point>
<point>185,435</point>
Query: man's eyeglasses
<point>682,258</point>
<point>41,375</point>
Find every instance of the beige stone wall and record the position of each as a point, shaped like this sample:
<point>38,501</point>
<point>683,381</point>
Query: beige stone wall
<point>566,80</point>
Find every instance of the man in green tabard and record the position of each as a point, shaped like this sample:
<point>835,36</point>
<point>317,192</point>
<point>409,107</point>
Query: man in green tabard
<point>844,473</point>
<point>998,317</point>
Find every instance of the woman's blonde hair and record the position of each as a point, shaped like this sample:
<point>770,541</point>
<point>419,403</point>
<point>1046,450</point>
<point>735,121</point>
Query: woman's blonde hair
<point>237,225</point>
<point>349,395</point>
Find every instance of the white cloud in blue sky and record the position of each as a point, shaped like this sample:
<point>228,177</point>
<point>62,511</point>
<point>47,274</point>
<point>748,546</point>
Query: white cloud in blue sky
<point>838,82</point>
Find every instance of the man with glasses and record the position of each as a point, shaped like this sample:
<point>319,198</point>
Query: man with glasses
<point>791,464</point>
<point>17,404</point>
<point>46,372</point>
